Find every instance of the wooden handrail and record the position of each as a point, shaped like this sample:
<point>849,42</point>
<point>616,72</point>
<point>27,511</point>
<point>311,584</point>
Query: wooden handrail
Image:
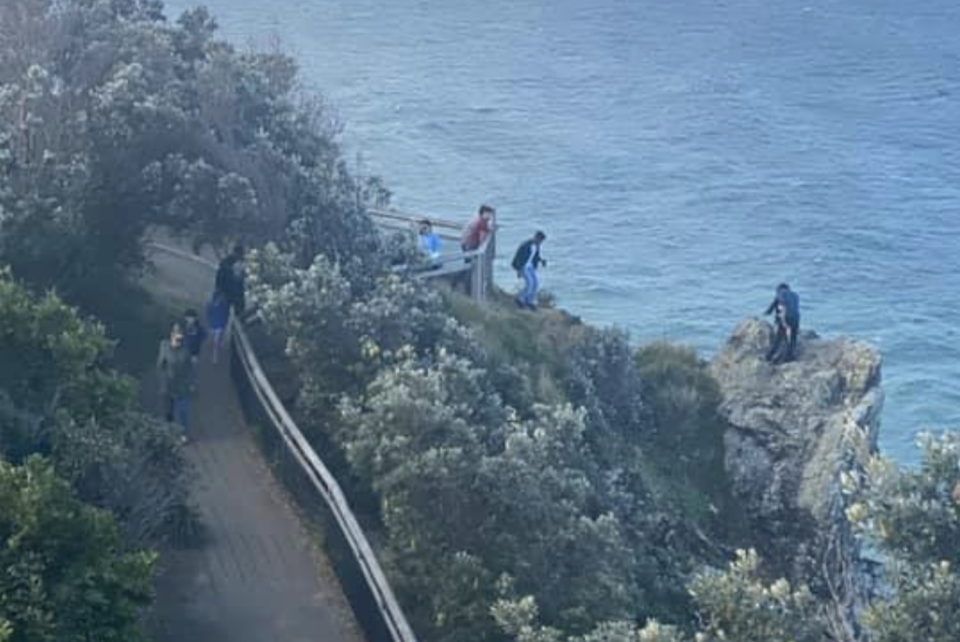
<point>414,219</point>
<point>317,472</point>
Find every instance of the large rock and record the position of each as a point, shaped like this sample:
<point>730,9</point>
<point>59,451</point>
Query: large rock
<point>794,428</point>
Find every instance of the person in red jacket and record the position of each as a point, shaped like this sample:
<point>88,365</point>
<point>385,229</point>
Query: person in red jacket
<point>474,234</point>
<point>476,231</point>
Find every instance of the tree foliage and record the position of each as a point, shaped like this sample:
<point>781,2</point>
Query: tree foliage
<point>64,576</point>
<point>472,491</point>
<point>58,399</point>
<point>113,119</point>
<point>913,516</point>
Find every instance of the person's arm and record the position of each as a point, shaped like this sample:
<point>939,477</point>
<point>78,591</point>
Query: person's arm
<point>773,306</point>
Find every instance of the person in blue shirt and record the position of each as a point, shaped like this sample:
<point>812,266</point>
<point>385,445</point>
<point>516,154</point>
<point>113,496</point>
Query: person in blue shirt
<point>429,242</point>
<point>786,304</point>
<point>218,317</point>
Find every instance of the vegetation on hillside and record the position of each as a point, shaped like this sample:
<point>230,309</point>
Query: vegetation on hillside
<point>532,478</point>
<point>516,461</point>
<point>113,121</point>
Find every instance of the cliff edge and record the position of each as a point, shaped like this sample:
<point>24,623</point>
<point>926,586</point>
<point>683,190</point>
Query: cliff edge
<point>793,430</point>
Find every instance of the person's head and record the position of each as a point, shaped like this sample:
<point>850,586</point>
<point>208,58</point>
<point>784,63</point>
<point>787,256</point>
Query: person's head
<point>238,252</point>
<point>190,316</point>
<point>783,287</point>
<point>176,334</point>
<point>426,226</point>
<point>486,212</point>
<point>539,237</point>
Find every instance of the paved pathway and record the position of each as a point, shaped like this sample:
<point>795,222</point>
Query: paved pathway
<point>257,577</point>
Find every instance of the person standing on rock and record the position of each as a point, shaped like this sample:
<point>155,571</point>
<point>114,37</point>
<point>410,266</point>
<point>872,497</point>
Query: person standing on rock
<point>786,304</point>
<point>526,262</point>
<point>175,369</point>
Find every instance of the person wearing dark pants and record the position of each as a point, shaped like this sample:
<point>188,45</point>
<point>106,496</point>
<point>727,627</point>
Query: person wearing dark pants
<point>175,368</point>
<point>230,279</point>
<point>526,262</point>
<point>786,305</point>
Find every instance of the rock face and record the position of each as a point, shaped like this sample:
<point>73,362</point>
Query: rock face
<point>794,428</point>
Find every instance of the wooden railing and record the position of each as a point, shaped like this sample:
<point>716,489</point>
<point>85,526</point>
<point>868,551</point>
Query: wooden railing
<point>256,387</point>
<point>476,266</point>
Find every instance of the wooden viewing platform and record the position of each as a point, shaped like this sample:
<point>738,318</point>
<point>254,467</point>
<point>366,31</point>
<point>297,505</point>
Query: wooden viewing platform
<point>478,263</point>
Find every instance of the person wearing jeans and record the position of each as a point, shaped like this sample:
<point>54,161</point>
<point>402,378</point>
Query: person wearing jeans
<point>526,262</point>
<point>175,367</point>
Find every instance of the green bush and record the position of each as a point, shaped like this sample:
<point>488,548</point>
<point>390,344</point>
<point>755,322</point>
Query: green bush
<point>913,516</point>
<point>58,398</point>
<point>64,575</point>
<point>113,120</point>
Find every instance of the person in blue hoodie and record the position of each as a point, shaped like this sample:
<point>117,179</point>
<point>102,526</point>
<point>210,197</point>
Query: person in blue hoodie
<point>786,305</point>
<point>429,242</point>
<point>526,262</point>
<point>218,316</point>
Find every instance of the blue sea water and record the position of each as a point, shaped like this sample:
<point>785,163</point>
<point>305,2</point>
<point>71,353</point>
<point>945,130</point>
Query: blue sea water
<point>683,157</point>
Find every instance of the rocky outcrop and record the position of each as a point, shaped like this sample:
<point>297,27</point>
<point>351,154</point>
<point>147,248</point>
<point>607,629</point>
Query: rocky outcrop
<point>793,429</point>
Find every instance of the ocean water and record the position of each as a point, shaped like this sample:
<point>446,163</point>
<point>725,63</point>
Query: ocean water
<point>683,157</point>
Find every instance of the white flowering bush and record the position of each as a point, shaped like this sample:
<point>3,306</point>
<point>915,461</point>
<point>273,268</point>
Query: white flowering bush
<point>913,516</point>
<point>113,120</point>
<point>732,605</point>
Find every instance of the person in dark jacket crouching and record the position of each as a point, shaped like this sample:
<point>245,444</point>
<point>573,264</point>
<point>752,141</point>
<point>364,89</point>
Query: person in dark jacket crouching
<point>786,304</point>
<point>526,262</point>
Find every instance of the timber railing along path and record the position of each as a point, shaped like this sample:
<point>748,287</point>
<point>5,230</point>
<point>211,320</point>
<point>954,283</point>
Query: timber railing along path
<point>373,601</point>
<point>478,263</point>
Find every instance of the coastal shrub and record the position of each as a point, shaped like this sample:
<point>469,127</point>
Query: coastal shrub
<point>114,120</point>
<point>57,398</point>
<point>913,516</point>
<point>735,603</point>
<point>682,397</point>
<point>64,573</point>
<point>603,378</point>
<point>516,497</point>
<point>469,488</point>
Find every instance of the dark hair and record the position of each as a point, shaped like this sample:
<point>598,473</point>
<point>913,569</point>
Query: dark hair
<point>426,222</point>
<point>238,250</point>
<point>783,286</point>
<point>486,209</point>
<point>540,236</point>
<point>190,312</point>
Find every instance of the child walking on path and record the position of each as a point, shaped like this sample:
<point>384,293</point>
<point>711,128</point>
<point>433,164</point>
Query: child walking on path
<point>193,333</point>
<point>218,316</point>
